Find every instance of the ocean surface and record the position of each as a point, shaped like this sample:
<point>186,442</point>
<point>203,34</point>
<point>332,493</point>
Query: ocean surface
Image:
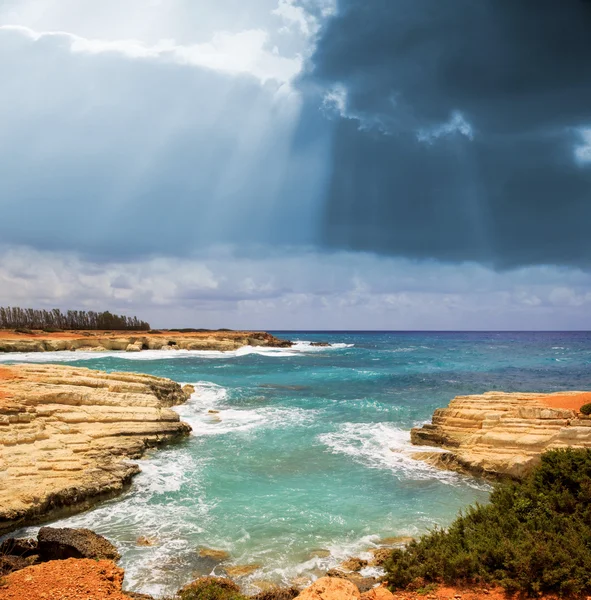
<point>310,449</point>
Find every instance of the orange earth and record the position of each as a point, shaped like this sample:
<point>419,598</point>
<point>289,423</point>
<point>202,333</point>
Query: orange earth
<point>571,401</point>
<point>72,579</point>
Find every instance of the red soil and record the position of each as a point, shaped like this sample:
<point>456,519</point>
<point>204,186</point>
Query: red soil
<point>461,593</point>
<point>71,579</point>
<point>572,401</point>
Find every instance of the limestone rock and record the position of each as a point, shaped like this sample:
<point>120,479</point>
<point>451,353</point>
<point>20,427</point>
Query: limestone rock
<point>379,593</point>
<point>66,435</point>
<point>63,543</point>
<point>217,555</point>
<point>331,588</point>
<point>98,341</point>
<point>146,541</point>
<point>503,434</point>
<point>354,564</point>
<point>241,570</point>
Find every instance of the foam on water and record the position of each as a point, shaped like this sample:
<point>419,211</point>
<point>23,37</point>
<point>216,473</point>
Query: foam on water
<point>386,446</point>
<point>300,347</point>
<point>209,397</point>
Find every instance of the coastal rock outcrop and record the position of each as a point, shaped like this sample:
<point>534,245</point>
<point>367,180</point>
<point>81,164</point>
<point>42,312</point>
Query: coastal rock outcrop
<point>331,588</point>
<point>503,434</point>
<point>66,435</point>
<point>99,341</point>
<point>62,543</point>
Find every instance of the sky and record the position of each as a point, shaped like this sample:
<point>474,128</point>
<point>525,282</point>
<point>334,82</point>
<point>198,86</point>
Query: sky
<point>298,164</point>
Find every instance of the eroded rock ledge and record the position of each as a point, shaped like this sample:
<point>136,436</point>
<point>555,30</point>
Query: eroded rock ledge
<point>503,434</point>
<point>38,341</point>
<point>66,435</point>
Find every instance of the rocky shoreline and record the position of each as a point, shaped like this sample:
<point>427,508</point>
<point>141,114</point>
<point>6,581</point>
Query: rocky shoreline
<point>67,434</point>
<point>45,560</point>
<point>100,341</point>
<point>502,434</point>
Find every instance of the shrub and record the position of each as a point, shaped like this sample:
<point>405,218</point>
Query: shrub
<point>586,409</point>
<point>534,537</point>
<point>211,588</point>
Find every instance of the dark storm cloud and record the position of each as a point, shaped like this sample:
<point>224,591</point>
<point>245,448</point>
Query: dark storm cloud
<point>510,192</point>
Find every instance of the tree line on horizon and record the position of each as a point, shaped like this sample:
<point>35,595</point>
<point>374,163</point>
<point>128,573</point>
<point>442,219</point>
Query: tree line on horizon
<point>31,318</point>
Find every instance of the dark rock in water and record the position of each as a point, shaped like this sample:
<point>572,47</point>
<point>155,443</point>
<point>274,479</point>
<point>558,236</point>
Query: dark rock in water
<point>59,544</point>
<point>320,344</point>
<point>23,547</point>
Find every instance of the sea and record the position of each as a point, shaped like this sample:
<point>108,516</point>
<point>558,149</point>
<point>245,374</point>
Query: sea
<point>307,459</point>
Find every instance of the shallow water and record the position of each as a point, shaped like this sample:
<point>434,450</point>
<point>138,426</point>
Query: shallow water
<point>310,448</point>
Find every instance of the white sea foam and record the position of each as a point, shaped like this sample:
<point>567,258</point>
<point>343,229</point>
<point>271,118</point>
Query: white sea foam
<point>299,348</point>
<point>226,419</point>
<point>385,446</point>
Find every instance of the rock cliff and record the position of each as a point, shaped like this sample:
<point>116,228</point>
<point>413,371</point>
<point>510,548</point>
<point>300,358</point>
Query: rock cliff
<point>503,434</point>
<point>66,435</point>
<point>13,341</point>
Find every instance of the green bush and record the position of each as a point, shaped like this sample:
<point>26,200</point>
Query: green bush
<point>586,409</point>
<point>211,588</point>
<point>534,537</point>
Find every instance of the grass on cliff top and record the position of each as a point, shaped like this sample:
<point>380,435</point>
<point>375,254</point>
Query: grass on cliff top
<point>534,537</point>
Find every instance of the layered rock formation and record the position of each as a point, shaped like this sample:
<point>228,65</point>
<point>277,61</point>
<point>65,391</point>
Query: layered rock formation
<point>504,434</point>
<point>12,341</point>
<point>66,435</point>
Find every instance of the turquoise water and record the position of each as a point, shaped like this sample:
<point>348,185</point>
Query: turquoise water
<point>310,448</point>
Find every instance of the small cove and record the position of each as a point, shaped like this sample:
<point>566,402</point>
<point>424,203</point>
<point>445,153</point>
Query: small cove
<point>309,448</point>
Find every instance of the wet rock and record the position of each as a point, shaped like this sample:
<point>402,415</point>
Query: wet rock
<point>320,344</point>
<point>331,588</point>
<point>136,347</point>
<point>354,564</point>
<point>189,389</point>
<point>146,541</point>
<point>394,541</point>
<point>319,553</point>
<point>64,543</point>
<point>241,570</point>
<point>217,555</point>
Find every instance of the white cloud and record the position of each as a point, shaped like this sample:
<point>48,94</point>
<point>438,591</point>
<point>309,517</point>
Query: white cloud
<point>456,124</point>
<point>301,289</point>
<point>296,16</point>
<point>583,151</point>
<point>245,52</point>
